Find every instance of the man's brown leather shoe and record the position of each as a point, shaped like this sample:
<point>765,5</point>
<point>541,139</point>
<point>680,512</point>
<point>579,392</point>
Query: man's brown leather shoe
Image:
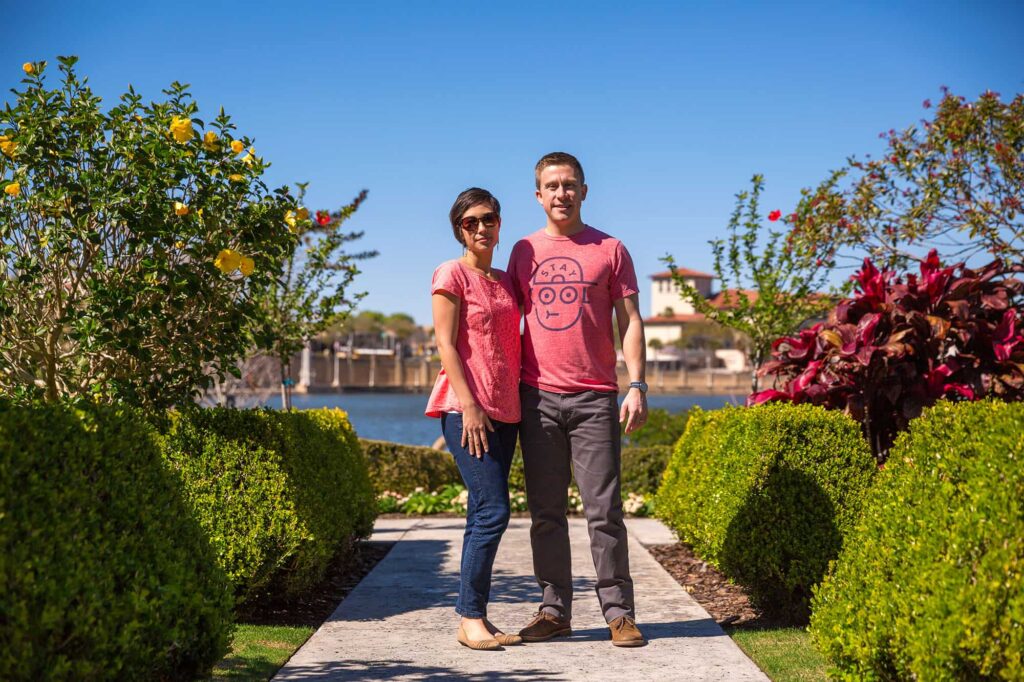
<point>544,626</point>
<point>625,632</point>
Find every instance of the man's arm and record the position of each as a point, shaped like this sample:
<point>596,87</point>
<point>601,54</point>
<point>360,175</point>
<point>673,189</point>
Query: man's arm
<point>634,351</point>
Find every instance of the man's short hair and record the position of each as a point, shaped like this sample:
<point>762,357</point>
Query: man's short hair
<point>467,200</point>
<point>558,159</point>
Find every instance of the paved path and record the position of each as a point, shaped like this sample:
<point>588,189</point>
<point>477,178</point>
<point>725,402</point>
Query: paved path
<point>399,622</point>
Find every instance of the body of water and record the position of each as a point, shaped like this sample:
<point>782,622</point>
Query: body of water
<point>398,417</point>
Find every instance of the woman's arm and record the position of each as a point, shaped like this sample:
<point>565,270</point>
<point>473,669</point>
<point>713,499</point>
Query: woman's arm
<point>475,423</point>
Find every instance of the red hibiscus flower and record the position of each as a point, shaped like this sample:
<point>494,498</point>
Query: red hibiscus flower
<point>323,217</point>
<point>774,215</point>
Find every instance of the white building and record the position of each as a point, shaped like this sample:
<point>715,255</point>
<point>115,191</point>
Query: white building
<point>670,313</point>
<point>665,291</point>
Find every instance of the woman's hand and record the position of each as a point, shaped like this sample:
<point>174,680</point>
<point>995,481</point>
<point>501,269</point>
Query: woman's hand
<point>475,425</point>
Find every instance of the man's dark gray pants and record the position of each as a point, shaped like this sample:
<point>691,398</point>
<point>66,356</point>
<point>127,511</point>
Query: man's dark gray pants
<point>581,430</point>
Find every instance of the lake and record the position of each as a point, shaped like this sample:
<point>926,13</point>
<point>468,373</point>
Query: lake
<point>398,417</point>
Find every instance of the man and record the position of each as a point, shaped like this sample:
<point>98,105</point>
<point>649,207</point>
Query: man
<point>569,277</point>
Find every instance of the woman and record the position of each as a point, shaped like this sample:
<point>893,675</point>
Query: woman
<point>476,395</point>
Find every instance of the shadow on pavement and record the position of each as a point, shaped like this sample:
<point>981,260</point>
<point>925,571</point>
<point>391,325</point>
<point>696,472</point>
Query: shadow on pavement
<point>410,578</point>
<point>388,670</point>
<point>705,627</point>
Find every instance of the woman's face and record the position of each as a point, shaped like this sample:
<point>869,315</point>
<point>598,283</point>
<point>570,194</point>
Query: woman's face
<point>480,226</point>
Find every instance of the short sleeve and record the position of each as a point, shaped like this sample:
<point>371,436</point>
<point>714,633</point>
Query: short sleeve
<point>623,279</point>
<point>448,278</point>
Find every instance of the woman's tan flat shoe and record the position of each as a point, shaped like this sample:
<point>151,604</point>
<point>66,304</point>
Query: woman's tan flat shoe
<point>480,644</point>
<point>501,637</point>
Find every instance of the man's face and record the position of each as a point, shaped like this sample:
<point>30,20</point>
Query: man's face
<point>561,194</point>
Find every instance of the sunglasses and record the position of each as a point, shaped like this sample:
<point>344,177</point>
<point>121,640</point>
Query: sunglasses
<point>471,223</point>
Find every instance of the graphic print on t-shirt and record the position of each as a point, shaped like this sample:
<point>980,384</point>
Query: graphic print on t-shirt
<point>559,291</point>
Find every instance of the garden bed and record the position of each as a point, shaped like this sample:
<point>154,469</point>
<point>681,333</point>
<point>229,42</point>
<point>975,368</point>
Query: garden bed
<point>725,601</point>
<point>315,606</point>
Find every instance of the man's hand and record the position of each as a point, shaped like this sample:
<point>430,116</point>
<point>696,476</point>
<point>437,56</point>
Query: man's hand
<point>634,410</point>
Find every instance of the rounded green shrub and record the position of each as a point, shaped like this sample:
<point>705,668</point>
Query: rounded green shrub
<point>403,468</point>
<point>767,494</point>
<point>105,574</point>
<point>643,468</point>
<point>930,584</point>
<point>279,494</point>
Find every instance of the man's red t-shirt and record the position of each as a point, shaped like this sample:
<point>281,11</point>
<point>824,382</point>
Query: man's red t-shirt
<point>567,286</point>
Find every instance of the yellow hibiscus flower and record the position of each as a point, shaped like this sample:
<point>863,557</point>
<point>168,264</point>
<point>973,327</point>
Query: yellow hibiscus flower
<point>29,68</point>
<point>210,141</point>
<point>303,213</point>
<point>8,146</point>
<point>13,189</point>
<point>180,208</point>
<point>235,177</point>
<point>237,146</point>
<point>246,265</point>
<point>250,158</point>
<point>228,261</point>
<point>290,218</point>
<point>181,129</point>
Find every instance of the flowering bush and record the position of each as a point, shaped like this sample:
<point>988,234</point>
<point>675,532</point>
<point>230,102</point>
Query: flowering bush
<point>902,343</point>
<point>454,498</point>
<point>636,504</point>
<point>132,243</point>
<point>787,287</point>
<point>955,181</point>
<point>311,293</point>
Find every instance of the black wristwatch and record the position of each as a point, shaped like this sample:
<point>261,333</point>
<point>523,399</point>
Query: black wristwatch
<point>642,385</point>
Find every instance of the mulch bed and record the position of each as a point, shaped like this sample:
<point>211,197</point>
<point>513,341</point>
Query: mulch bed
<point>313,607</point>
<point>725,601</point>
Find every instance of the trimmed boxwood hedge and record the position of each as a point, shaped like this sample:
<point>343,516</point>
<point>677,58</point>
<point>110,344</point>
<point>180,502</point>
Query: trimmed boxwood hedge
<point>767,494</point>
<point>930,585</point>
<point>403,468</point>
<point>105,574</point>
<point>278,493</point>
<point>643,468</point>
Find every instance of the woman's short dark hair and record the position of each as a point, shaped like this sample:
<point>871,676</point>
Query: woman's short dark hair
<point>467,200</point>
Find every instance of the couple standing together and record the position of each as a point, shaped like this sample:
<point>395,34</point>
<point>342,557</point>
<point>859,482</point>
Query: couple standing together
<point>555,388</point>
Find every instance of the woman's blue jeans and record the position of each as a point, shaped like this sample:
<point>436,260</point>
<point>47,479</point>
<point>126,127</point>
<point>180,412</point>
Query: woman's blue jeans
<point>487,511</point>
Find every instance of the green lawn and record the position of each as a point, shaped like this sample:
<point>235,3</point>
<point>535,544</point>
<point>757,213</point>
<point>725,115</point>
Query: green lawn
<point>784,654</point>
<point>258,651</point>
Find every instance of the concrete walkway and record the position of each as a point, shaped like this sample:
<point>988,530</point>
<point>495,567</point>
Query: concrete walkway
<point>399,622</point>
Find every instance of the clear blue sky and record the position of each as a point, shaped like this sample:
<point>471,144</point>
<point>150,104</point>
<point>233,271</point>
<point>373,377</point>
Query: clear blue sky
<point>670,106</point>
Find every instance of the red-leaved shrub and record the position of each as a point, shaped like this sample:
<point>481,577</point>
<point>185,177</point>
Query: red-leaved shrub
<point>902,343</point>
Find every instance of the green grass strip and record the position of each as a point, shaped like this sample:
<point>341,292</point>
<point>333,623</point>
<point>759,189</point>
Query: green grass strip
<point>784,654</point>
<point>259,651</point>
